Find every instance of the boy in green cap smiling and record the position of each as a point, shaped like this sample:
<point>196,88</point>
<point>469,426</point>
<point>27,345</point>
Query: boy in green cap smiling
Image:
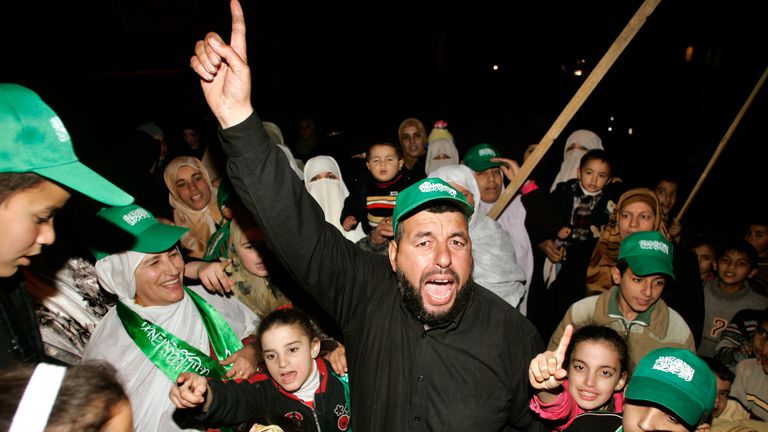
<point>633,307</point>
<point>38,172</point>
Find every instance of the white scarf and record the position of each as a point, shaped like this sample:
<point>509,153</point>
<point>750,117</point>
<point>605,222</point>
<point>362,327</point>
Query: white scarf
<point>572,158</point>
<point>146,386</point>
<point>437,147</point>
<point>329,193</point>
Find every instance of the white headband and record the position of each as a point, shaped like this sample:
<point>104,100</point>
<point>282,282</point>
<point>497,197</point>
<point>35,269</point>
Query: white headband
<point>39,396</point>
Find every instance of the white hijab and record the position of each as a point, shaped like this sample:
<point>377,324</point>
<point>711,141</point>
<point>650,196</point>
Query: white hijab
<point>329,193</point>
<point>492,248</point>
<point>572,158</point>
<point>437,147</point>
<point>512,219</point>
<point>147,387</point>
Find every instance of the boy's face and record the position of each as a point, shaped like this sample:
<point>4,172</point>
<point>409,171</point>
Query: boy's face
<point>489,182</point>
<point>706,255</point>
<point>594,175</point>
<point>26,224</point>
<point>666,193</point>
<point>643,418</point>
<point>383,162</point>
<point>759,337</point>
<point>757,236</point>
<point>637,293</point>
<point>721,398</point>
<point>733,268</point>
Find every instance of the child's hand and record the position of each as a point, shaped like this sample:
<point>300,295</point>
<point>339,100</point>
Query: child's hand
<point>349,223</point>
<point>704,427</point>
<point>509,167</point>
<point>554,252</point>
<point>214,278</point>
<point>383,232</point>
<point>563,233</point>
<point>189,391</point>
<point>546,370</point>
<point>338,360</point>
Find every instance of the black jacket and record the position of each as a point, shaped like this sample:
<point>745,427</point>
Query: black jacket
<point>470,374</point>
<point>20,340</point>
<point>237,401</point>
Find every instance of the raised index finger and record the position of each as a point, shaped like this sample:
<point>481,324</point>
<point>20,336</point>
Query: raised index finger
<point>563,346</point>
<point>237,38</point>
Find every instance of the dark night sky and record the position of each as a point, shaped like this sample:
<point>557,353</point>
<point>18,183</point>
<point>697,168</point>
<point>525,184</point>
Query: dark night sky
<point>106,66</point>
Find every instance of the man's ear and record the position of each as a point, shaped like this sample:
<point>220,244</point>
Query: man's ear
<point>392,252</point>
<point>615,275</point>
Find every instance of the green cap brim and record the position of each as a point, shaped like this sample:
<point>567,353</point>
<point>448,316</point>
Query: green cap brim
<point>79,177</point>
<point>668,396</point>
<point>155,239</point>
<point>482,165</point>
<point>647,265</point>
<point>464,206</point>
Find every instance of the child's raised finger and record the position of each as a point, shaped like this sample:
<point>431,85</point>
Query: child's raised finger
<point>563,346</point>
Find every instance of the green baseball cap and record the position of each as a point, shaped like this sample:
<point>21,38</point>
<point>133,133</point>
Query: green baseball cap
<point>132,228</point>
<point>676,379</point>
<point>479,157</point>
<point>424,191</point>
<point>647,253</point>
<point>34,139</point>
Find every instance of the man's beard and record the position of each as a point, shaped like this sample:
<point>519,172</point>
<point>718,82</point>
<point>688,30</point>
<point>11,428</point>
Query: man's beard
<point>415,304</point>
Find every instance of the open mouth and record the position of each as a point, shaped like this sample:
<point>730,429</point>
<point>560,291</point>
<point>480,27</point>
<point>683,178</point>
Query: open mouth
<point>440,285</point>
<point>288,377</point>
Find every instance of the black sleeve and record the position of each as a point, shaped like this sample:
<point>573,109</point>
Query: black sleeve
<point>332,269</point>
<point>235,402</point>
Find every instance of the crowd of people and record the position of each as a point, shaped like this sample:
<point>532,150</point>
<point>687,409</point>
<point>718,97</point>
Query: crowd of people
<point>270,294</point>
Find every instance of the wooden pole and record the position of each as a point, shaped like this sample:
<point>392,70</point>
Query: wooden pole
<point>722,144</point>
<point>573,106</point>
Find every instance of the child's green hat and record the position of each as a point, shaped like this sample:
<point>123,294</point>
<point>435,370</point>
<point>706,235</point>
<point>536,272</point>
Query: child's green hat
<point>143,232</point>
<point>676,379</point>
<point>33,139</point>
<point>479,157</point>
<point>647,253</point>
<point>424,191</point>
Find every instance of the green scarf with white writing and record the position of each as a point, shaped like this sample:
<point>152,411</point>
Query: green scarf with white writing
<point>173,355</point>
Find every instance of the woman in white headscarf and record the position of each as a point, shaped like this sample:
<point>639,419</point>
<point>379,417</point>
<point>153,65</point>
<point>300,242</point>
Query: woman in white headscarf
<point>159,328</point>
<point>323,180</point>
<point>578,143</point>
<point>441,152</point>
<point>193,199</point>
<point>492,248</point>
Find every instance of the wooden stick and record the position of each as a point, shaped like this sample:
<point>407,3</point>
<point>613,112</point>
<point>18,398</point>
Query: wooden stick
<point>573,106</point>
<point>722,144</point>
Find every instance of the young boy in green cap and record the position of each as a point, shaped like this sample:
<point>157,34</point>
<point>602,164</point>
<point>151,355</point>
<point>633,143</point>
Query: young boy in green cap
<point>38,172</point>
<point>671,390</point>
<point>633,307</point>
